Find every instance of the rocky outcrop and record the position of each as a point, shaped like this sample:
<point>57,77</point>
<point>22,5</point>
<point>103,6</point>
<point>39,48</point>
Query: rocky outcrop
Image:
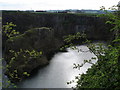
<point>20,56</point>
<point>62,23</point>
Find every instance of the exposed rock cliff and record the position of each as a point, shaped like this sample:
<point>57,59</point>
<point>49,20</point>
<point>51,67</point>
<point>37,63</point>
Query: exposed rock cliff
<point>62,23</point>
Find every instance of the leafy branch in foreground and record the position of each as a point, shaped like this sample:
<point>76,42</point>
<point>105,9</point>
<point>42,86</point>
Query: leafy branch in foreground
<point>8,30</point>
<point>12,71</point>
<point>70,40</point>
<point>104,73</point>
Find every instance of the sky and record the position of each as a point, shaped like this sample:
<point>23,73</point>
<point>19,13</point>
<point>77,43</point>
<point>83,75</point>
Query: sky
<point>55,4</point>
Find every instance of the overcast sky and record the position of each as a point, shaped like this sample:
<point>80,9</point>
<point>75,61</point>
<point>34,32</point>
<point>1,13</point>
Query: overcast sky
<point>55,4</point>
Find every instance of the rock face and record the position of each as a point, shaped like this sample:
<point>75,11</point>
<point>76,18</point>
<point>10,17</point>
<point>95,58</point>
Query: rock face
<point>62,23</point>
<point>41,40</point>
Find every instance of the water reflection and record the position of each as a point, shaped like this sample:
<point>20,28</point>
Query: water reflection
<point>60,70</point>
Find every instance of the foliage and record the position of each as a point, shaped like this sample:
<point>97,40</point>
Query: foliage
<point>70,40</point>
<point>78,35</point>
<point>104,73</point>
<point>9,31</point>
<point>12,71</point>
<point>7,84</point>
<point>26,53</point>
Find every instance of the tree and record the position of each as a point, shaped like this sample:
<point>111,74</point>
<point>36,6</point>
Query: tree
<point>104,73</point>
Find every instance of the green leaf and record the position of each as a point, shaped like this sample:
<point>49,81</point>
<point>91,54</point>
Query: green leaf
<point>25,73</point>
